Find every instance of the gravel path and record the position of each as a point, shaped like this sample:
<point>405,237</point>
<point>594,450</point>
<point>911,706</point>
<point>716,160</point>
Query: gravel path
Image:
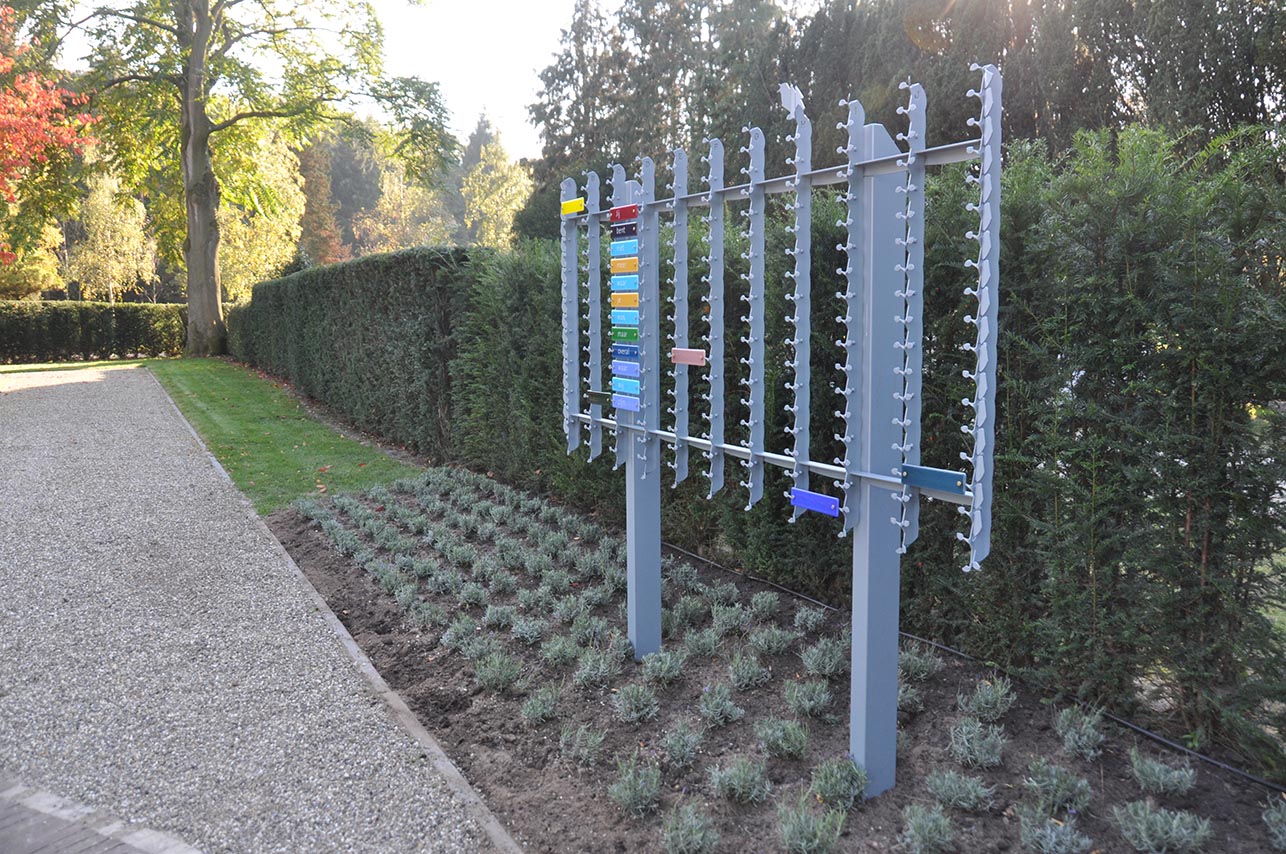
<point>160,661</point>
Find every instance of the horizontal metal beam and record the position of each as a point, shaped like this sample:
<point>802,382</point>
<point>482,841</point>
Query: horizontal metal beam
<point>955,152</point>
<point>889,482</point>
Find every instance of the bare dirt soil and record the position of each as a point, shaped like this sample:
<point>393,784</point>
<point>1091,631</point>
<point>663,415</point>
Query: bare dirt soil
<point>552,805</point>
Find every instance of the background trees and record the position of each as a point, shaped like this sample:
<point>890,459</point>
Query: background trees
<point>181,75</point>
<point>40,132</point>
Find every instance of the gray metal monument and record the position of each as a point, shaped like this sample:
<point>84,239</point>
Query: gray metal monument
<point>879,479</point>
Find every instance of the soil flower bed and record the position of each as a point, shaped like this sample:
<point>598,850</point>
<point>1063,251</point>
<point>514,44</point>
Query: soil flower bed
<point>500,618</point>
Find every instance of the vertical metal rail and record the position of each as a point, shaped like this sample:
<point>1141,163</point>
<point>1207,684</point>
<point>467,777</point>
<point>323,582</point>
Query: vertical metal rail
<point>594,286</point>
<point>911,346</point>
<point>754,402</point>
<point>853,318</point>
<point>569,231</point>
<point>876,563</point>
<point>983,404</point>
<point>714,298</point>
<point>679,188</point>
<point>643,460</point>
<point>802,297</point>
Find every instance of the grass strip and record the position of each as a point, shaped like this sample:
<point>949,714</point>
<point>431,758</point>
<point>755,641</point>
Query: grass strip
<point>273,449</point>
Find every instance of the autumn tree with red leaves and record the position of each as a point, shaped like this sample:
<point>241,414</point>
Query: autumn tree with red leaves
<point>40,132</point>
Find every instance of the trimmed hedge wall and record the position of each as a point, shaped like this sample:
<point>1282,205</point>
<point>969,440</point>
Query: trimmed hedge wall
<point>62,331</point>
<point>373,338</point>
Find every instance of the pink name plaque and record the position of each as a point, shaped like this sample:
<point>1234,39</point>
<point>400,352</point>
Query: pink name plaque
<point>679,356</point>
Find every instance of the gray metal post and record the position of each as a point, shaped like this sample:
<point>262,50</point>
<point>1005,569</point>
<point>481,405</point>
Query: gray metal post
<point>593,277</point>
<point>714,415</point>
<point>571,331</point>
<point>983,429</point>
<point>680,300</point>
<point>754,382</point>
<point>911,347</point>
<point>801,318</point>
<point>643,460</point>
<point>876,563</point>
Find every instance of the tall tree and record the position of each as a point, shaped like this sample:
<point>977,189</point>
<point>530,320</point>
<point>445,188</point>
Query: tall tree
<point>116,254</point>
<point>260,219</point>
<point>320,241</point>
<point>188,71</point>
<point>493,190</point>
<point>40,133</point>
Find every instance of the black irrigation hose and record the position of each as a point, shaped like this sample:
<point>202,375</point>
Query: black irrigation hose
<point>1157,737</point>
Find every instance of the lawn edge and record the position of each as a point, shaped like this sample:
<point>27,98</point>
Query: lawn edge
<point>397,707</point>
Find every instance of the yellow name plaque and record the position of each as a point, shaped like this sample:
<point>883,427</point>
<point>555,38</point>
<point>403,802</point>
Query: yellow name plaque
<point>625,265</point>
<point>625,300</point>
<point>572,206</point>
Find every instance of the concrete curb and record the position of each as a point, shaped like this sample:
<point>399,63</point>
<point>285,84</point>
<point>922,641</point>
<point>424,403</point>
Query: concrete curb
<point>400,712</point>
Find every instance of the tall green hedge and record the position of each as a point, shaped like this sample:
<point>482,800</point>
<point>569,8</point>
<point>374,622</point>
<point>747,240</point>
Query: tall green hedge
<point>59,331</point>
<point>374,338</point>
<point>1138,542</point>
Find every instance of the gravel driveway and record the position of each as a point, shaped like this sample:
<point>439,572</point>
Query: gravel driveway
<point>158,658</point>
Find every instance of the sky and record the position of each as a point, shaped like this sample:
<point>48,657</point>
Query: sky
<point>485,55</point>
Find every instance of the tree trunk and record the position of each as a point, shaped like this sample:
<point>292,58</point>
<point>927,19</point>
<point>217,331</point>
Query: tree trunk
<point>207,334</point>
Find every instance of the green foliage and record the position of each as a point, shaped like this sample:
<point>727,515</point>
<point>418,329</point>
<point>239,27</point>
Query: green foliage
<point>782,738</point>
<point>328,330</point>
<point>764,604</point>
<point>664,667</point>
<point>809,699</point>
<point>917,662</point>
<point>472,594</point>
<point>1055,789</point>
<point>826,658</point>
<point>745,671</point>
<point>838,782</point>
<point>1275,820</point>
<point>926,830</point>
<point>687,830</point>
<point>560,651</point>
<point>541,706</point>
<point>909,698</point>
<point>680,745</point>
<point>1155,830</point>
<point>635,703</point>
<point>1080,732</point>
<point>771,640</point>
<point>580,744</point>
<point>728,619</point>
<point>597,668</point>
<point>716,706</point>
<point>805,830</point>
<point>1045,835</point>
<point>1158,778</point>
<point>960,791</point>
<point>990,699</point>
<point>498,672</point>
<point>637,787</point>
<point>498,617</point>
<point>741,779</point>
<point>808,619</point>
<point>59,331</point>
<point>975,745</point>
<point>701,643</point>
<point>463,627</point>
<point>529,630</point>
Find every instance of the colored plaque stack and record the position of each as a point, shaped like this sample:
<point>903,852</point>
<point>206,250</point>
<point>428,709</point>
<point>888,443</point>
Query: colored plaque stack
<point>625,307</point>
